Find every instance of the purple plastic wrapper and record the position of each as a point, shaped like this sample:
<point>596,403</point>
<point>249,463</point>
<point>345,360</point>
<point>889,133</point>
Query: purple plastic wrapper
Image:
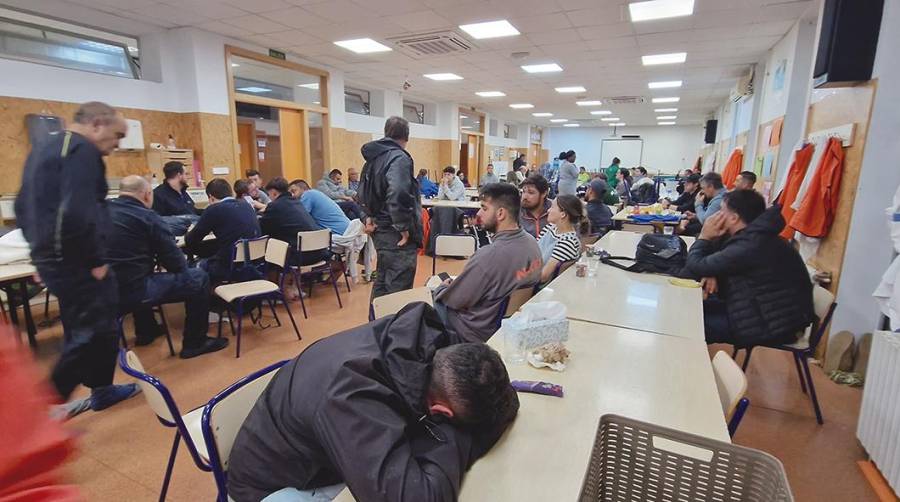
<point>545,388</point>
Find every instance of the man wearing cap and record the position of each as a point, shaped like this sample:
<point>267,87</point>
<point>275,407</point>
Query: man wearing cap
<point>599,214</point>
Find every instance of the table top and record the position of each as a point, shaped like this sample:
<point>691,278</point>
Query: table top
<point>625,214</point>
<point>543,456</point>
<point>461,204</point>
<point>16,271</point>
<point>621,243</point>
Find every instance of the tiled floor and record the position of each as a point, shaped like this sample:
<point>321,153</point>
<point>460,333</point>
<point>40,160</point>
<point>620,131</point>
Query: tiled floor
<point>123,450</point>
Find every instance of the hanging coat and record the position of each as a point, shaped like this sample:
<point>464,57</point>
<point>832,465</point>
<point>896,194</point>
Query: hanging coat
<point>792,186</point>
<point>817,211</point>
<point>733,168</point>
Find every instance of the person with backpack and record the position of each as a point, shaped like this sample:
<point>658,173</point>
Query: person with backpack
<point>389,194</point>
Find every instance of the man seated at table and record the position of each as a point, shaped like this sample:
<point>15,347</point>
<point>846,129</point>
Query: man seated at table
<point>489,177</point>
<point>138,241</point>
<point>535,206</point>
<point>706,204</point>
<point>245,190</point>
<point>397,412</point>
<point>284,217</point>
<point>640,178</point>
<point>599,214</point>
<point>685,202</point>
<point>258,194</point>
<point>320,207</point>
<point>757,287</point>
<point>451,188</point>
<point>345,197</point>
<point>470,303</point>
<point>745,181</point>
<point>353,179</point>
<point>230,220</point>
<point>172,201</point>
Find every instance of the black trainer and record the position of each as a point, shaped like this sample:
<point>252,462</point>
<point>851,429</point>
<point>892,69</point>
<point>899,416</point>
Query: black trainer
<point>208,345</point>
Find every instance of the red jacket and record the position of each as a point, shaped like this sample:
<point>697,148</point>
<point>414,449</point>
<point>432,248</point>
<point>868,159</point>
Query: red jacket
<point>794,179</point>
<point>820,204</point>
<point>733,168</point>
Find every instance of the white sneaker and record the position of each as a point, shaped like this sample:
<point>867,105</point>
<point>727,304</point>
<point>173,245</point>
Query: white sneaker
<point>214,318</point>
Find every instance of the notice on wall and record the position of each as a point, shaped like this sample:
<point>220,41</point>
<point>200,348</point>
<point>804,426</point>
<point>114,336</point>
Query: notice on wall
<point>261,155</point>
<point>758,167</point>
<point>778,77</point>
<point>768,159</point>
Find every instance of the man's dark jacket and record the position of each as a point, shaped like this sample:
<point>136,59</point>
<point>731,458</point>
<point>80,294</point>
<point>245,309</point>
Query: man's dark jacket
<point>61,206</point>
<point>686,201</point>
<point>169,202</point>
<point>230,220</point>
<point>388,190</point>
<point>762,279</point>
<point>350,409</point>
<point>283,218</point>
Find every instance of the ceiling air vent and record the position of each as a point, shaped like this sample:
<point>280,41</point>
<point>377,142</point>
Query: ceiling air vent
<point>624,100</point>
<point>436,43</point>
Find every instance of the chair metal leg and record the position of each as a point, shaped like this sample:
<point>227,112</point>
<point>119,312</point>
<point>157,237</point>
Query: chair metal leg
<point>219,324</point>
<point>336,292</point>
<point>291,317</point>
<point>734,352</point>
<point>346,278</point>
<point>275,315</point>
<point>812,391</point>
<point>749,351</point>
<point>120,321</point>
<point>169,467</point>
<point>230,320</point>
<point>297,277</point>
<point>240,321</point>
<point>47,305</point>
<point>165,324</point>
<point>799,371</point>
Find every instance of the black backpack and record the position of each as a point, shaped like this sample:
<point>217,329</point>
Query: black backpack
<point>655,254</point>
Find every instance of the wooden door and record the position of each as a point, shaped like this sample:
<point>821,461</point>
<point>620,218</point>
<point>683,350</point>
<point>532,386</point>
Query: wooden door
<point>247,142</point>
<point>294,141</point>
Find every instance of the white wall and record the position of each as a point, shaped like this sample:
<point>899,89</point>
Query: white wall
<point>869,248</point>
<point>774,103</point>
<point>666,148</point>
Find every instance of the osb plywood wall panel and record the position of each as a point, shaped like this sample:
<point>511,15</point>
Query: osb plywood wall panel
<point>426,154</point>
<point>345,147</point>
<point>448,152</point>
<point>835,108</point>
<point>217,149</point>
<point>187,128</point>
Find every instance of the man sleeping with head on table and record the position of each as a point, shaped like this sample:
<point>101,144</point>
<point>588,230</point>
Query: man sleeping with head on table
<point>394,409</point>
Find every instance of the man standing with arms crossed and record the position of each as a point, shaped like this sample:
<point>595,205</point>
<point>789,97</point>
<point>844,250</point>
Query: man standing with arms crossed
<point>62,211</point>
<point>389,193</point>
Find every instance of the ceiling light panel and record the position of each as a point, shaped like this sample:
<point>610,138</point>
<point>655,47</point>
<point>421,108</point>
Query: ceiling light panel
<point>490,29</point>
<point>666,100</point>
<point>542,68</point>
<point>570,89</point>
<point>588,103</point>
<point>660,9</point>
<point>362,46</point>
<point>542,114</point>
<point>313,86</point>
<point>667,117</point>
<point>559,121</point>
<point>610,119</point>
<point>491,94</point>
<point>669,84</point>
<point>671,58</point>
<point>601,112</point>
<point>617,124</point>
<point>442,76</point>
<point>665,110</point>
<point>665,123</point>
<point>571,125</point>
<point>521,106</point>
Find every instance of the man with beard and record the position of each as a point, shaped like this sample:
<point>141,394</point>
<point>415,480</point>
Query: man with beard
<point>535,206</point>
<point>171,200</point>
<point>469,303</point>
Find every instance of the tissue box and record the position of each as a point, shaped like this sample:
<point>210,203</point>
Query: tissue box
<point>536,333</point>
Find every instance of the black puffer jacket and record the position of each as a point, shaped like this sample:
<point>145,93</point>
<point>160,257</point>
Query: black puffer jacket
<point>762,279</point>
<point>388,189</point>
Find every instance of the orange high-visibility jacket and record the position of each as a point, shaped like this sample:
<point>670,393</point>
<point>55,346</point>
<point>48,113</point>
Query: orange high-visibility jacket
<point>733,168</point>
<point>795,176</point>
<point>817,211</point>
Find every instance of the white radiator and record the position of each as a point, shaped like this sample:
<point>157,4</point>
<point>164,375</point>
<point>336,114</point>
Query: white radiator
<point>879,418</point>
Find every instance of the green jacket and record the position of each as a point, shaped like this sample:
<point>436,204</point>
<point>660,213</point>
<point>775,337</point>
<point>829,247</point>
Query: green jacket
<point>611,175</point>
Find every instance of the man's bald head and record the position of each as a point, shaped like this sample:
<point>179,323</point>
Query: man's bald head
<point>137,187</point>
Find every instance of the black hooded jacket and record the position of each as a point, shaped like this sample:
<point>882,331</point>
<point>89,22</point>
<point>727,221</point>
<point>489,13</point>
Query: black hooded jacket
<point>762,279</point>
<point>388,189</point>
<point>350,409</point>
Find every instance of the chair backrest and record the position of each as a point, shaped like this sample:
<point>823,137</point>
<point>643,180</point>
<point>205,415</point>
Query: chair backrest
<point>313,240</point>
<point>455,245</point>
<point>640,229</point>
<point>730,380</point>
<point>276,252</point>
<point>392,303</point>
<point>823,306</point>
<point>256,249</point>
<point>224,415</point>
<point>518,298</point>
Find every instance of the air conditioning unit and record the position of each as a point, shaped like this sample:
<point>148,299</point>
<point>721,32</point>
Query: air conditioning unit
<point>744,87</point>
<point>436,43</point>
<point>624,100</point>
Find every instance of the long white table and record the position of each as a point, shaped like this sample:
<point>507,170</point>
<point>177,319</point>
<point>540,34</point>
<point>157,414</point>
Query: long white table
<point>461,204</point>
<point>619,243</point>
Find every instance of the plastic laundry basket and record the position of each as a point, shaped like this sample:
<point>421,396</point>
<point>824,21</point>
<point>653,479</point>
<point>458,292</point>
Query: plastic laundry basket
<point>635,461</point>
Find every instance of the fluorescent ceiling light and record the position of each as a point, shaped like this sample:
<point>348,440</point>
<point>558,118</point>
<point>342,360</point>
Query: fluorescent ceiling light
<point>559,121</point>
<point>442,76</point>
<point>465,127</point>
<point>490,29</point>
<point>542,114</point>
<point>574,88</point>
<point>667,117</point>
<point>664,85</point>
<point>314,86</point>
<point>521,106</point>
<point>491,94</point>
<point>601,112</point>
<point>610,119</point>
<point>587,103</point>
<point>571,125</point>
<point>254,89</point>
<point>671,58</point>
<point>617,124</point>
<point>463,116</point>
<point>233,65</point>
<point>665,123</point>
<point>665,110</point>
<point>362,45</point>
<point>542,68</point>
<point>660,9</point>
<point>666,100</point>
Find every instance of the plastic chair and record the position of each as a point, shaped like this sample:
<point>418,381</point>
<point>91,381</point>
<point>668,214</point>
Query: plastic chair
<point>805,347</point>
<point>732,385</point>
<point>157,309</point>
<point>235,294</point>
<point>187,427</point>
<point>518,298</point>
<point>452,245</point>
<point>392,303</point>
<point>223,416</point>
<point>316,240</point>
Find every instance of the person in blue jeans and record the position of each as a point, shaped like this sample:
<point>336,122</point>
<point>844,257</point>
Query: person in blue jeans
<point>138,241</point>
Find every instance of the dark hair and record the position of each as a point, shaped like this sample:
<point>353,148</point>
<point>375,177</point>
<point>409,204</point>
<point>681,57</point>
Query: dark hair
<point>574,210</point>
<point>694,178</point>
<point>251,172</point>
<point>503,195</point>
<point>450,169</point>
<point>600,174</point>
<point>241,188</point>
<point>94,110</point>
<point>747,204</point>
<point>172,169</point>
<point>539,183</point>
<point>581,168</point>
<point>472,377</point>
<point>335,171</point>
<point>490,165</point>
<point>562,155</point>
<point>396,128</point>
<point>642,170</point>
<point>749,176</point>
<point>626,173</point>
<point>278,184</point>
<point>713,179</point>
<point>570,153</point>
<point>300,183</point>
<point>616,160</point>
<point>218,188</point>
<point>423,172</point>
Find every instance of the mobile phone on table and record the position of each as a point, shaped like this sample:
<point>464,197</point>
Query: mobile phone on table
<point>444,276</point>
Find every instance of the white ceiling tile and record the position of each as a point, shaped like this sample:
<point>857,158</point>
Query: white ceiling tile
<point>294,38</point>
<point>115,5</point>
<point>257,6</point>
<point>598,16</point>
<point>425,20</point>
<point>391,7</point>
<point>256,24</point>
<point>783,10</point>
<point>535,7</point>
<point>177,16</point>
<point>529,24</point>
<point>554,37</point>
<point>213,9</point>
<point>607,31</point>
<point>664,25</point>
<point>338,11</point>
<point>613,43</point>
<point>295,17</point>
<point>224,29</point>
